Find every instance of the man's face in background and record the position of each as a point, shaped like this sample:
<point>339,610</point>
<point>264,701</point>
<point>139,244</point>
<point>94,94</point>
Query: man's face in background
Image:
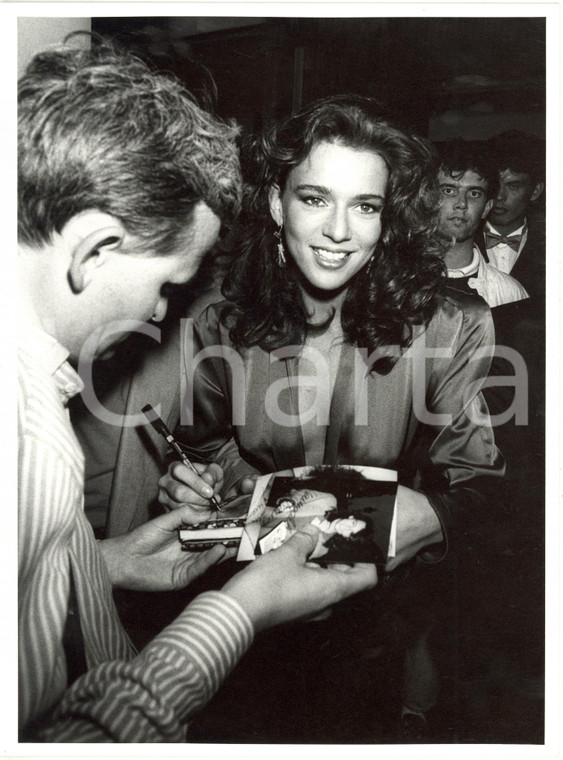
<point>463,204</point>
<point>515,193</point>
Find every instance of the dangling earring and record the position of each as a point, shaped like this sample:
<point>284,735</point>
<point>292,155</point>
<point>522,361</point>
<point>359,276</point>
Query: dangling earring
<point>281,251</point>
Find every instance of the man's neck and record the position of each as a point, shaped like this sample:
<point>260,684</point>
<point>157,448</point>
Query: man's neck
<point>507,229</point>
<point>459,255</point>
<point>34,289</point>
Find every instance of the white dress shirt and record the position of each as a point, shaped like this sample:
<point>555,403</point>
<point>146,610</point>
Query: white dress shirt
<point>495,287</point>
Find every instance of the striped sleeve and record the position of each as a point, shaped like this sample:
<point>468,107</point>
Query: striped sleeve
<point>151,698</point>
<point>121,698</point>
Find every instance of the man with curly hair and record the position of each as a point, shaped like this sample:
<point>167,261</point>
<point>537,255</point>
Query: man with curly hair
<point>467,180</point>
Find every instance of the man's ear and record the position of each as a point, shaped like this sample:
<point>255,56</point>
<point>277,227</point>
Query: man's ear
<point>276,208</point>
<point>538,190</point>
<point>89,237</point>
<point>488,207</point>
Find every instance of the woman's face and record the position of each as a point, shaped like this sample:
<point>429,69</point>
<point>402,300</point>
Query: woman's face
<point>347,526</point>
<point>330,209</point>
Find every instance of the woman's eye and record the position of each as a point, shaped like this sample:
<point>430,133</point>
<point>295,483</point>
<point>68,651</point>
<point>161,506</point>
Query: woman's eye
<point>447,190</point>
<point>313,200</point>
<point>369,208</point>
<point>476,194</point>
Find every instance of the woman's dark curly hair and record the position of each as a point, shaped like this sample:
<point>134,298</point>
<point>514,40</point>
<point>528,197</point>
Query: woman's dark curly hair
<point>395,290</point>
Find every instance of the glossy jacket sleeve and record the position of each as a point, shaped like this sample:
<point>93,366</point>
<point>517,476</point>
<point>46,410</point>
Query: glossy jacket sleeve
<point>464,467</point>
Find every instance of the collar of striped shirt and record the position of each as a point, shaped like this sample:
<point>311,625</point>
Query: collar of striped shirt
<point>51,355</point>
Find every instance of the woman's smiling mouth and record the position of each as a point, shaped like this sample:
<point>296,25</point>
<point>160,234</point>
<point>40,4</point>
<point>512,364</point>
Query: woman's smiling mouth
<point>330,259</point>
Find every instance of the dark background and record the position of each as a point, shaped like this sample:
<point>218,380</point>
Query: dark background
<point>445,77</point>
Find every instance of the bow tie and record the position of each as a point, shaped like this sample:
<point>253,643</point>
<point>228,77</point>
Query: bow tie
<point>492,239</point>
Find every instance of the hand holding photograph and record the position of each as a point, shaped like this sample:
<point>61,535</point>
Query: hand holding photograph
<point>352,506</point>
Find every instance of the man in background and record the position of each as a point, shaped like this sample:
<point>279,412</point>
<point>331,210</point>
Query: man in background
<point>123,185</point>
<point>466,180</point>
<point>513,236</point>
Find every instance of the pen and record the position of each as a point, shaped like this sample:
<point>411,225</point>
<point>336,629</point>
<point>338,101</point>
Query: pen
<point>160,427</point>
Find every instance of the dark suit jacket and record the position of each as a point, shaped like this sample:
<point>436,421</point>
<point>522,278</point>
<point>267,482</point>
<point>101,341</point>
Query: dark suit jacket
<point>529,269</point>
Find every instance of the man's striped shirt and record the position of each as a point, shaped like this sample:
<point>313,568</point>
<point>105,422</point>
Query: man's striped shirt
<point>123,696</point>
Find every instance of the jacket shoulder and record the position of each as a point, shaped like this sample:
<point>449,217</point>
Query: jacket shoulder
<point>460,317</point>
<point>469,304</point>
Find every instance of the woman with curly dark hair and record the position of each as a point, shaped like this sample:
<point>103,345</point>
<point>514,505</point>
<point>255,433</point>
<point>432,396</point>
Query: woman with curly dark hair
<point>336,343</point>
<point>395,290</point>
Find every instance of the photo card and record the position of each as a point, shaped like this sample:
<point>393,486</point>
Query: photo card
<point>353,507</point>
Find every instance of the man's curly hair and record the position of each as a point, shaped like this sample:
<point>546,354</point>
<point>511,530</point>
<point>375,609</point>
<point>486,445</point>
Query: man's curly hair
<point>99,130</point>
<point>395,290</point>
